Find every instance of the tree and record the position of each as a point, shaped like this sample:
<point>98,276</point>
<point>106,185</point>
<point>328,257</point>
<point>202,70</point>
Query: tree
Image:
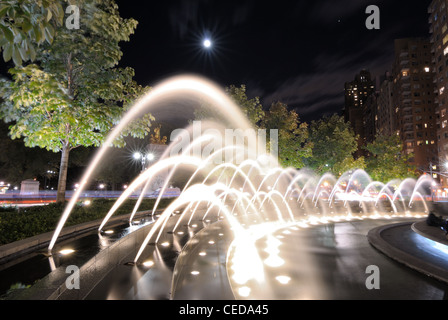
<point>25,24</point>
<point>252,108</point>
<point>293,146</point>
<point>76,94</point>
<point>334,144</point>
<point>387,160</point>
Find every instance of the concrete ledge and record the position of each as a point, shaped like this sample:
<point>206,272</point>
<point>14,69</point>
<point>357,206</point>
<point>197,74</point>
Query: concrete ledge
<point>19,248</point>
<point>433,233</point>
<point>376,239</point>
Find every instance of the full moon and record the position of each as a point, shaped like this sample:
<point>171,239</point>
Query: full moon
<point>207,43</point>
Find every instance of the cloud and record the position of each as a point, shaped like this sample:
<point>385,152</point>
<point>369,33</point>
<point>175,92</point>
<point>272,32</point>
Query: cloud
<point>322,91</point>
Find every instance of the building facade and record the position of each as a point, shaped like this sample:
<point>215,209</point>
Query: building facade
<point>438,29</point>
<point>356,94</point>
<point>413,98</point>
<point>385,121</point>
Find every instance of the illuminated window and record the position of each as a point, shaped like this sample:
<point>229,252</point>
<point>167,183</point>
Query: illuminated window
<point>444,123</point>
<point>445,51</point>
<point>441,90</point>
<point>405,73</point>
<point>445,39</point>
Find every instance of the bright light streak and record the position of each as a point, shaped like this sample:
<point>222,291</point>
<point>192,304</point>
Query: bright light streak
<point>66,251</point>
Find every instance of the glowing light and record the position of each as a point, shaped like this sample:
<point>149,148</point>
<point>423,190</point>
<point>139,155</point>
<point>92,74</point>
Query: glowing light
<point>165,244</point>
<point>109,231</point>
<point>202,253</point>
<point>66,251</point>
<point>272,249</point>
<point>148,263</point>
<point>195,273</point>
<point>137,155</point>
<point>87,202</point>
<point>244,291</point>
<point>283,279</point>
<point>207,43</point>
<point>211,242</point>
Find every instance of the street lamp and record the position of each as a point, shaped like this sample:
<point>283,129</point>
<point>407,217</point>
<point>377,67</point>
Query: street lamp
<point>143,158</point>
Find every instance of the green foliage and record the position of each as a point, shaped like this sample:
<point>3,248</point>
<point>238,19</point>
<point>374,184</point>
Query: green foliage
<point>25,24</point>
<point>334,144</point>
<point>76,93</point>
<point>252,108</point>
<point>17,225</point>
<point>293,146</point>
<point>387,160</point>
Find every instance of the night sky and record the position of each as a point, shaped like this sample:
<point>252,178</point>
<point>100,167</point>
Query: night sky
<point>298,52</point>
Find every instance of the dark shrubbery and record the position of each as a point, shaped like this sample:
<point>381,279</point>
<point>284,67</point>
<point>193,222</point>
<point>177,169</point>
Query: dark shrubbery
<point>27,222</point>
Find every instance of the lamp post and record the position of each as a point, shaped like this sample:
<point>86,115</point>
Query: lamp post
<point>143,158</point>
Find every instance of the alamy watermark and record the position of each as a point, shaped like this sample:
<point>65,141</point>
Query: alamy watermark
<point>373,20</point>
<point>72,21</point>
<point>73,280</point>
<point>228,145</point>
<point>373,280</point>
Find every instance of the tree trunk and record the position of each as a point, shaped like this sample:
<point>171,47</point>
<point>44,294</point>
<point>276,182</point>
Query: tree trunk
<point>62,183</point>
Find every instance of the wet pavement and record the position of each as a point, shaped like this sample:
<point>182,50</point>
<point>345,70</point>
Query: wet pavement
<point>322,262</point>
<point>27,270</point>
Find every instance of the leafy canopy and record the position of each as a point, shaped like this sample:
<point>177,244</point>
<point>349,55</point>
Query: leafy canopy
<point>76,94</point>
<point>387,160</point>
<point>293,146</point>
<point>334,144</point>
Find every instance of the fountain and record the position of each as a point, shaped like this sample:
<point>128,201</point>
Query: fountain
<point>242,184</point>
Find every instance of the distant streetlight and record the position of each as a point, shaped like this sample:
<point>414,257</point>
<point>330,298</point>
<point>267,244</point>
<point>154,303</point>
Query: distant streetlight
<point>143,158</point>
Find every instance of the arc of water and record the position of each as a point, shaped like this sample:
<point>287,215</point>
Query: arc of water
<point>421,181</point>
<point>197,141</point>
<point>269,196</point>
<point>156,168</point>
<point>195,193</point>
<point>294,181</point>
<point>337,187</point>
<point>181,84</point>
<point>319,183</point>
<point>248,162</point>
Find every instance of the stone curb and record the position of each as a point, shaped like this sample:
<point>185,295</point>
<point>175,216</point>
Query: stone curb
<point>377,241</point>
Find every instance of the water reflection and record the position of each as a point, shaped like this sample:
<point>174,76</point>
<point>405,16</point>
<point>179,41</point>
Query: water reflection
<point>30,268</point>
